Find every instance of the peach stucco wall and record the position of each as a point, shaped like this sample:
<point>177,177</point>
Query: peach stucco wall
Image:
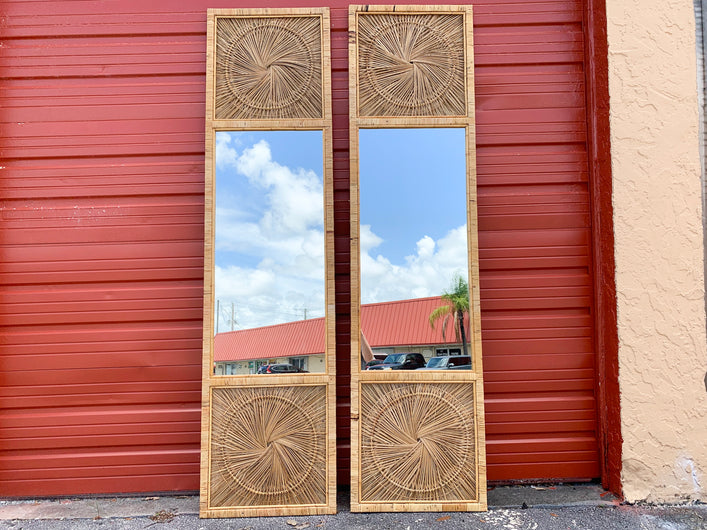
<point>659,252</point>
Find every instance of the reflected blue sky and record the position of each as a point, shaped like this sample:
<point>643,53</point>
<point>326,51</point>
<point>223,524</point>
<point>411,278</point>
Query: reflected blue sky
<point>269,241</point>
<point>413,211</point>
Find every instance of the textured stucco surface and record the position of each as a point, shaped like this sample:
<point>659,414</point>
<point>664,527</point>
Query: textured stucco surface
<point>659,256</point>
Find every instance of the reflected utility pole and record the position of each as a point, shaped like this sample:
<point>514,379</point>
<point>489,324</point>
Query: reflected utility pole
<point>218,313</point>
<point>232,319</point>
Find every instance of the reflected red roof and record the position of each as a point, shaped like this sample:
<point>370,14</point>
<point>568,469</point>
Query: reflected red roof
<point>405,323</point>
<point>302,337</point>
<point>387,324</point>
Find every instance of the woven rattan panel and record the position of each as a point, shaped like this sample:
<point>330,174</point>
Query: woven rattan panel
<point>268,446</point>
<point>268,68</point>
<point>411,65</point>
<point>418,442</point>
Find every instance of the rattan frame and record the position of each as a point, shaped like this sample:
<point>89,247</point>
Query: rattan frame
<point>298,118</point>
<point>386,382</point>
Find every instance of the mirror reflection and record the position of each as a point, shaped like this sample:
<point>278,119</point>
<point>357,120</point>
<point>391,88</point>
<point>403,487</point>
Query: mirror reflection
<point>269,253</point>
<point>414,254</point>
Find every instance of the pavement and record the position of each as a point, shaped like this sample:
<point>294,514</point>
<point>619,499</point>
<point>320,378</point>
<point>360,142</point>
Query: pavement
<point>527,507</point>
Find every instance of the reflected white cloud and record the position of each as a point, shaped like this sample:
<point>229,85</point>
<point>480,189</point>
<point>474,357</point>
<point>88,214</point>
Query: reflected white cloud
<point>269,244</point>
<point>427,272</point>
<point>295,197</point>
<point>226,154</point>
<point>263,297</point>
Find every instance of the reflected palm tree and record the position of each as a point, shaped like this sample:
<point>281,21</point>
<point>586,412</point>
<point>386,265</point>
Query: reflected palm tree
<point>457,299</point>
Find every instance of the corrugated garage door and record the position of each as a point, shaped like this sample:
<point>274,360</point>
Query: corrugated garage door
<point>102,199</point>
<point>102,253</point>
<point>535,241</point>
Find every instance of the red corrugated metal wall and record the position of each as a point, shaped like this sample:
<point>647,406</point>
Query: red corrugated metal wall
<point>101,143</point>
<point>535,241</point>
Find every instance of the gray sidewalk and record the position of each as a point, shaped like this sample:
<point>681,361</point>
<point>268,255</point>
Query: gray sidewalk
<point>578,506</point>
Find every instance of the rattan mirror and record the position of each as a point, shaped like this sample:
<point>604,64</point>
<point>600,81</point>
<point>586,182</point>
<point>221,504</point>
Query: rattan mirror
<point>268,410</point>
<point>418,441</point>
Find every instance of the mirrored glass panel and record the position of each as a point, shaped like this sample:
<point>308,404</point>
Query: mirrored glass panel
<point>414,252</point>
<point>269,253</point>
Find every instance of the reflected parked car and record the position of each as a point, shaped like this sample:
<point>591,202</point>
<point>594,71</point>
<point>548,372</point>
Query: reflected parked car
<point>401,361</point>
<point>281,368</point>
<point>373,362</point>
<point>449,362</point>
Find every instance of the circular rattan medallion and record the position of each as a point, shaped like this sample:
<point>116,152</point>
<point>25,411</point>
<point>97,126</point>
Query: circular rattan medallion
<point>268,68</point>
<point>268,446</point>
<point>418,442</point>
<point>411,65</point>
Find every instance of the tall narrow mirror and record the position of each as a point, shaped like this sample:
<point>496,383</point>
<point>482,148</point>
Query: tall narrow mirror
<point>269,253</point>
<point>413,249</point>
<point>268,375</point>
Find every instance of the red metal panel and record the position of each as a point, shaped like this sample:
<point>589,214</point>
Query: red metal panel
<point>535,245</point>
<point>102,253</point>
<point>101,142</point>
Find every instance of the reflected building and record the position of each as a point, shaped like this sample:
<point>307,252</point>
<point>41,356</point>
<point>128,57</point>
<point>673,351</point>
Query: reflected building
<point>389,327</point>
<point>242,352</point>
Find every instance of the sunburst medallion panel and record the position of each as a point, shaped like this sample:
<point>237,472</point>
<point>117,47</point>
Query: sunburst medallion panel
<point>418,442</point>
<point>268,446</point>
<point>411,65</point>
<point>268,68</point>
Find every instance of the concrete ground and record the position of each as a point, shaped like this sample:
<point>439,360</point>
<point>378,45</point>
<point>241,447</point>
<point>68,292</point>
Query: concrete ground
<point>567,506</point>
